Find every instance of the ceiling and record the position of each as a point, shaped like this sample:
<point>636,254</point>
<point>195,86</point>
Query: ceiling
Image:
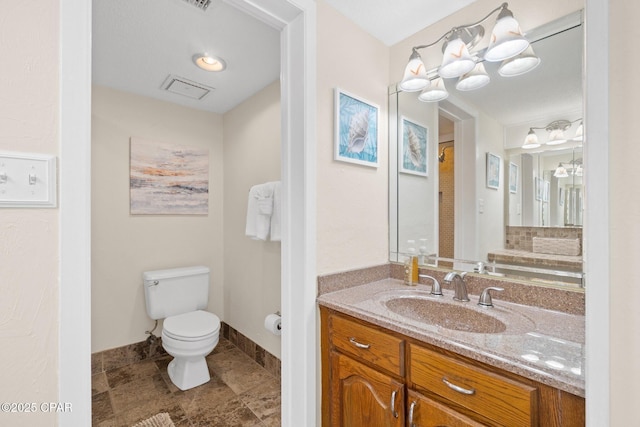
<point>137,44</point>
<point>393,21</point>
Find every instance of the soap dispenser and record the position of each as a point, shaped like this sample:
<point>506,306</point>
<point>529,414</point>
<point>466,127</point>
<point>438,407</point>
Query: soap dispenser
<point>411,268</point>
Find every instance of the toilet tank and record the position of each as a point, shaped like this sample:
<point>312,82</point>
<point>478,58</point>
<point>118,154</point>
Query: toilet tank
<point>176,291</point>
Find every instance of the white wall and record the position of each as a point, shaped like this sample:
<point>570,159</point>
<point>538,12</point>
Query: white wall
<point>352,211</point>
<point>624,202</point>
<point>125,245</point>
<point>251,267</point>
<point>29,242</point>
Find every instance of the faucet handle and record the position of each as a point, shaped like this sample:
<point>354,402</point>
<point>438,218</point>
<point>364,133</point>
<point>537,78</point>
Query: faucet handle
<point>485,297</point>
<point>436,290</point>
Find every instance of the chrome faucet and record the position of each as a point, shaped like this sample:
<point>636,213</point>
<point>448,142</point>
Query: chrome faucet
<point>459,286</point>
<point>436,290</point>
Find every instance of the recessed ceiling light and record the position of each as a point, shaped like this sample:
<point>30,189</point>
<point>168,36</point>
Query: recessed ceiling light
<point>209,63</point>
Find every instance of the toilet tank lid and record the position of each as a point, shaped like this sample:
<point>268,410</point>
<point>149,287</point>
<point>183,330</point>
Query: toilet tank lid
<point>175,272</point>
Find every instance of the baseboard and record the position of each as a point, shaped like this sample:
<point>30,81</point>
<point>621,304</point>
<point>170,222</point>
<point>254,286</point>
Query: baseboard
<point>151,348</point>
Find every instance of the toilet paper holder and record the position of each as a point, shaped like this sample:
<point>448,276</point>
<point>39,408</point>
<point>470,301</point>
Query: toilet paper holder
<point>273,323</point>
<point>279,324</point>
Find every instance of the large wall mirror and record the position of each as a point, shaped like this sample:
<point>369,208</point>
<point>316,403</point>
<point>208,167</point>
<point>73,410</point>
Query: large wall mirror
<point>484,203</point>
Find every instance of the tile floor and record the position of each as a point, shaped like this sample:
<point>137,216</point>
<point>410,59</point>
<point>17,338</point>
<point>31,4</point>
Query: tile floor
<point>240,393</point>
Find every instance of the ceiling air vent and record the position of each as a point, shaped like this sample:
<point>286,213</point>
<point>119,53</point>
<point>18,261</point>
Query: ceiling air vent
<point>185,87</point>
<point>200,4</point>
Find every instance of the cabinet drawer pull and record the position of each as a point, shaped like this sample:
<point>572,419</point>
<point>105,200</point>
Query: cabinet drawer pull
<point>353,341</point>
<point>458,388</point>
<point>411,409</point>
<point>393,404</point>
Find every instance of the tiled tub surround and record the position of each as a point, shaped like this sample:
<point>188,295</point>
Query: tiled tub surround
<point>521,238</point>
<point>556,248</point>
<point>555,337</point>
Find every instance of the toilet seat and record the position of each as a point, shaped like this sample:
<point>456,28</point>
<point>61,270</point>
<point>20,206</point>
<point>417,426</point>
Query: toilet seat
<point>193,326</point>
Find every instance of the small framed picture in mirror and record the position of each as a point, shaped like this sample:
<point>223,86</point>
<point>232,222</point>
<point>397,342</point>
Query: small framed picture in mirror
<point>513,177</point>
<point>493,171</point>
<point>413,149</point>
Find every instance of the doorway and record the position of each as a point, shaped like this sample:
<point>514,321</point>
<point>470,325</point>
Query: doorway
<point>446,188</point>
<point>296,22</point>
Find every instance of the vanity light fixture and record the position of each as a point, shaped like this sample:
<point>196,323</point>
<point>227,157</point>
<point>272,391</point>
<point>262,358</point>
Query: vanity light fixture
<point>519,64</point>
<point>556,131</point>
<point>208,62</point>
<point>461,62</point>
<point>579,132</point>
<point>474,79</point>
<point>434,92</point>
<point>531,140</point>
<point>561,172</point>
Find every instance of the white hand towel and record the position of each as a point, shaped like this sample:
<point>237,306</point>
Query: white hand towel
<point>259,211</point>
<point>276,215</point>
<point>252,214</point>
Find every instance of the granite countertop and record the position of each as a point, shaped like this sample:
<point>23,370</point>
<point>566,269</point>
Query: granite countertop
<point>543,345</point>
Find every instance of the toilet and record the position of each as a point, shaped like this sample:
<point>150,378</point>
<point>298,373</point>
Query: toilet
<point>189,333</point>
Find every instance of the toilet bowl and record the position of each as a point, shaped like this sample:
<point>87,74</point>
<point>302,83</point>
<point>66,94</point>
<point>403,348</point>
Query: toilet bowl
<point>189,337</point>
<point>189,333</point>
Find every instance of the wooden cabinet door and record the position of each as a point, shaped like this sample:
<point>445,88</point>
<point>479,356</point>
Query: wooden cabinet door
<point>424,412</point>
<point>364,397</point>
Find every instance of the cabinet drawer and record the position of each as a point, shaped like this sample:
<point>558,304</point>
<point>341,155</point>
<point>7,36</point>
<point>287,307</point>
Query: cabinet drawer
<point>366,343</point>
<point>497,398</point>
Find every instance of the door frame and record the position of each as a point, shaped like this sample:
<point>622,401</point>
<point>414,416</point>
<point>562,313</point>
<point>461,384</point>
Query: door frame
<point>296,21</point>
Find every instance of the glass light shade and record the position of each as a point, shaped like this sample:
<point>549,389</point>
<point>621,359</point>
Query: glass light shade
<point>456,60</point>
<point>435,92</point>
<point>556,137</point>
<point>415,75</point>
<point>519,64</point>
<point>561,172</point>
<point>507,39</point>
<point>209,63</point>
<point>578,171</point>
<point>531,140</point>
<point>475,79</point>
<point>579,133</point>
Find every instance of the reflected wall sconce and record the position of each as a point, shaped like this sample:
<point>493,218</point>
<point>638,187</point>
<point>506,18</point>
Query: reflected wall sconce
<point>556,131</point>
<point>441,156</point>
<point>563,169</point>
<point>459,61</point>
<point>561,172</point>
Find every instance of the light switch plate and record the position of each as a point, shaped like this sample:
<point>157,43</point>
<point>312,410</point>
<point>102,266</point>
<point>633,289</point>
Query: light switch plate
<point>27,180</point>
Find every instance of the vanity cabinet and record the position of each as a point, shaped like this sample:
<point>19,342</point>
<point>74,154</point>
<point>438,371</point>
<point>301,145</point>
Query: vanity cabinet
<point>367,397</point>
<point>376,377</point>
